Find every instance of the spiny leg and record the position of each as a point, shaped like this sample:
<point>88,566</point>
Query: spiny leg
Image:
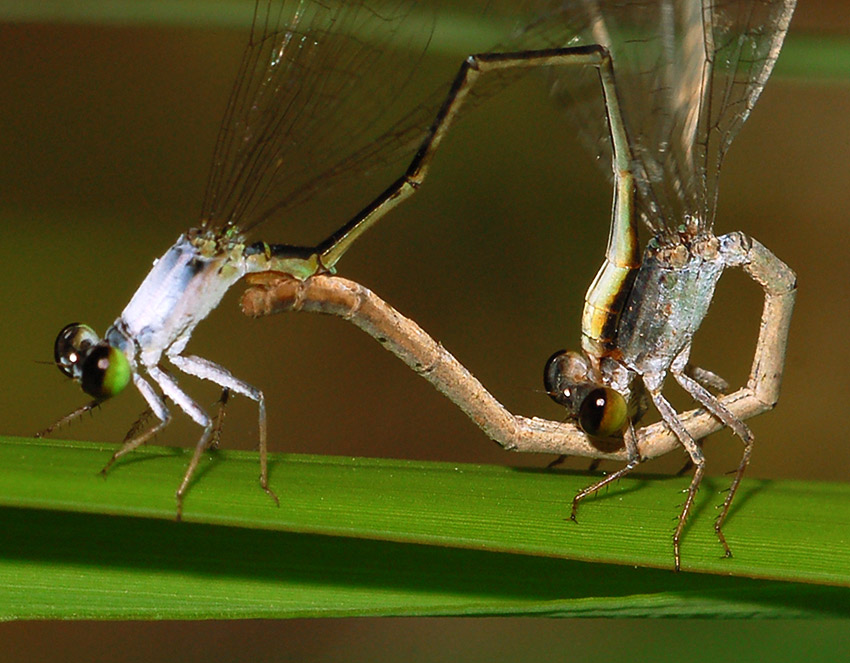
<point>207,370</point>
<point>707,379</point>
<point>218,422</point>
<point>705,397</point>
<point>332,248</point>
<point>200,447</point>
<point>68,418</point>
<point>634,460</point>
<point>172,390</point>
<point>134,438</point>
<point>730,495</point>
<point>779,284</point>
<point>702,395</point>
<point>733,488</point>
<point>139,424</point>
<point>671,418</point>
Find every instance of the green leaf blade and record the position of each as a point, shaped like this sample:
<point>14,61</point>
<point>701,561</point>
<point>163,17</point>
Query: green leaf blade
<point>387,537</point>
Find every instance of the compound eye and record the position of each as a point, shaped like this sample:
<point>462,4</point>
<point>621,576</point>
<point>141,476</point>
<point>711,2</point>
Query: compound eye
<point>553,378</point>
<point>72,346</point>
<point>563,372</point>
<point>105,372</point>
<point>603,413</point>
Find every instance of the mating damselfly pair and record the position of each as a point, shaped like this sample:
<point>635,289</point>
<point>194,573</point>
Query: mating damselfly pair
<point>659,89</point>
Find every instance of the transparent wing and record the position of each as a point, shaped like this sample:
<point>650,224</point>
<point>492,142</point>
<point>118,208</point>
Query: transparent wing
<point>745,41</point>
<point>316,79</point>
<point>328,90</point>
<point>688,73</point>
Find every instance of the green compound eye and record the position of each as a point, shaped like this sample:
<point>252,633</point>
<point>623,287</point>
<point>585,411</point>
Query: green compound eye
<point>106,372</point>
<point>603,413</point>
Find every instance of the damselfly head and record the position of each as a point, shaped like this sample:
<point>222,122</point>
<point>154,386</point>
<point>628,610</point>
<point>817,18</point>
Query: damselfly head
<point>101,370</point>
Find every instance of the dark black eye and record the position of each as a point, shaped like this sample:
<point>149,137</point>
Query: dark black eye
<point>554,378</point>
<point>565,377</point>
<point>71,347</point>
<point>603,412</point>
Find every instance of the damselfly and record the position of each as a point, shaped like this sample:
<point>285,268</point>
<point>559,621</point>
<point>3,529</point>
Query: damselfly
<point>318,98</point>
<point>678,79</point>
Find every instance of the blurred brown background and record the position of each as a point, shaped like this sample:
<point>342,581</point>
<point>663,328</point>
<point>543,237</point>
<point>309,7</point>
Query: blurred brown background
<point>105,137</point>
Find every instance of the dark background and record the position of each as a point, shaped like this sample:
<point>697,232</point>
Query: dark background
<point>105,137</point>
